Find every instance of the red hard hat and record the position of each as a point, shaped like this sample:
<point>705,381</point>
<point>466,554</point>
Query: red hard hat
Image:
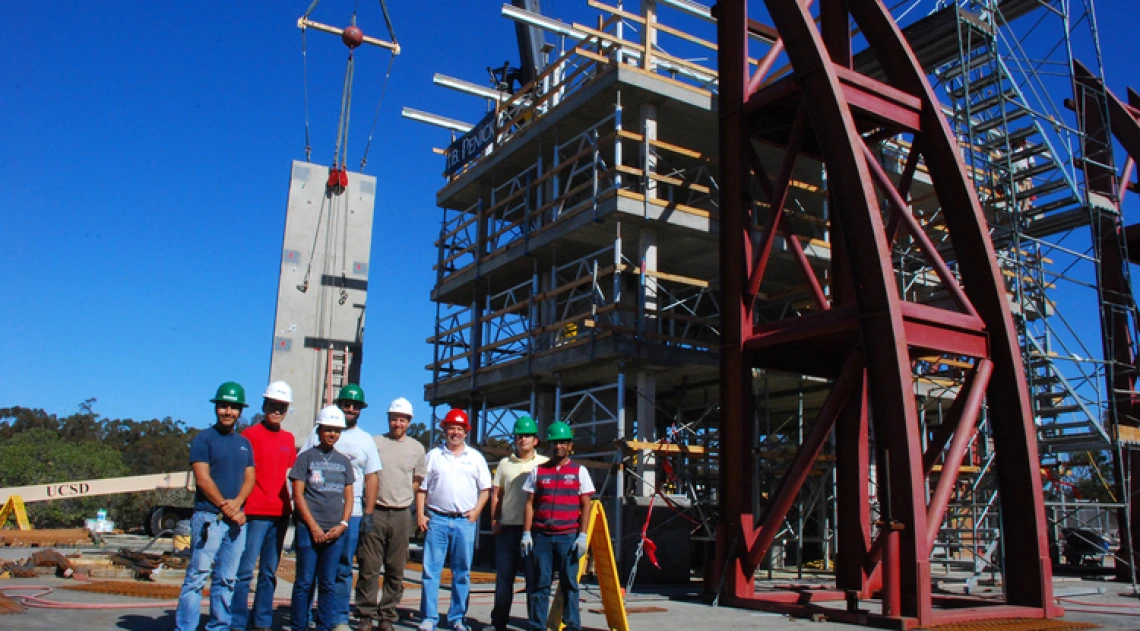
<point>456,417</point>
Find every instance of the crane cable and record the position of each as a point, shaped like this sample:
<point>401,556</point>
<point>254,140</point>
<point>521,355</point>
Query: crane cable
<point>383,86</point>
<point>340,153</point>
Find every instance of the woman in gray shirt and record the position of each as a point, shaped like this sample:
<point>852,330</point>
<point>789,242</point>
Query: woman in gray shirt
<point>322,493</point>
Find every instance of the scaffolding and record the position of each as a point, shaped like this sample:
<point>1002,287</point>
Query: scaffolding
<point>577,269</point>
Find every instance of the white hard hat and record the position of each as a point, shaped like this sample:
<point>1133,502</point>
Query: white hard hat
<point>279,391</point>
<point>331,416</point>
<point>401,406</point>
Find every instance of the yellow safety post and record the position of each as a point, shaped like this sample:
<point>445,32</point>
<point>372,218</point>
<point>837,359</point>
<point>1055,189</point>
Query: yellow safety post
<point>15,506</point>
<point>602,551</point>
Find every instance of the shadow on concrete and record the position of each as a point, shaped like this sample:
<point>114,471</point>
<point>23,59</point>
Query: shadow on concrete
<point>144,622</point>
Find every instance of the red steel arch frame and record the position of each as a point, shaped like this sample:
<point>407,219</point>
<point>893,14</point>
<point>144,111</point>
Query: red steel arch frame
<point>863,335</point>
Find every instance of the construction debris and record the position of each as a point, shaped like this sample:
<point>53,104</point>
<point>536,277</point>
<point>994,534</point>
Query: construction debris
<point>144,564</point>
<point>7,605</point>
<point>46,538</point>
<point>157,591</point>
<point>26,568</point>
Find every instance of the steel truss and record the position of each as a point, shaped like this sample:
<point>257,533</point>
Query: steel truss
<point>862,334</point>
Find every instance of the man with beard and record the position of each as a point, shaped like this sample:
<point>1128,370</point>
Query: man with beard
<point>387,542</point>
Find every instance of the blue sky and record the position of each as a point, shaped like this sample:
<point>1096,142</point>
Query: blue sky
<point>147,150</point>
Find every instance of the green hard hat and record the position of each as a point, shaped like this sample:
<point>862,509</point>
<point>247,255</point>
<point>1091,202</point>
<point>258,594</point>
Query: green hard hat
<point>525,426</point>
<point>559,431</point>
<point>230,392</point>
<point>352,392</point>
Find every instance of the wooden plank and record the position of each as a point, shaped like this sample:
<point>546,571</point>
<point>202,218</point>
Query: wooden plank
<point>700,188</point>
<point>1128,434</point>
<point>570,193</point>
<point>450,331</point>
<point>945,362</point>
<point>962,469</point>
<point>676,278</point>
<point>664,204</point>
<point>669,80</point>
<point>602,36</point>
<point>633,17</point>
<point>639,445</point>
<point>505,310</point>
<point>661,144</point>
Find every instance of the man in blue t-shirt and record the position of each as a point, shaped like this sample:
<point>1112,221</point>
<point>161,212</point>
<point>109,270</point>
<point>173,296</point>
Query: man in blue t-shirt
<point>222,461</point>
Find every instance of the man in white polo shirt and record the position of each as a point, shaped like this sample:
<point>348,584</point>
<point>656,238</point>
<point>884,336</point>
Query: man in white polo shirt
<point>456,486</point>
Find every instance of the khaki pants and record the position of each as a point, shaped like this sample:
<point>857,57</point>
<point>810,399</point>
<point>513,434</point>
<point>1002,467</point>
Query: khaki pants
<point>386,545</point>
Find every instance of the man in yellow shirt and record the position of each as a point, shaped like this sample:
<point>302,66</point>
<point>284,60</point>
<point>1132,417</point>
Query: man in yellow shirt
<point>508,503</point>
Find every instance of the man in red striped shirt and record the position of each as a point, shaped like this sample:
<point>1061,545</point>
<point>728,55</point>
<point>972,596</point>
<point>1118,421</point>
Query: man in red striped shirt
<point>554,528</point>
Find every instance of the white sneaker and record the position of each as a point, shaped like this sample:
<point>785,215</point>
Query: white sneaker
<point>426,625</point>
<point>459,626</point>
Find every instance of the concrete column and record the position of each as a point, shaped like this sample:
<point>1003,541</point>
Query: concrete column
<point>543,407</point>
<point>646,431</point>
<point>647,125</point>
<point>649,287</point>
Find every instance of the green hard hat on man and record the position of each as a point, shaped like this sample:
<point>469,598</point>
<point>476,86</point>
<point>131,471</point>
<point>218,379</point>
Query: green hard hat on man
<point>352,392</point>
<point>559,431</point>
<point>525,426</point>
<point>230,392</point>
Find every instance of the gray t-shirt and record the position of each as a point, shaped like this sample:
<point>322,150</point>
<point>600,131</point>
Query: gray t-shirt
<point>403,460</point>
<point>325,475</point>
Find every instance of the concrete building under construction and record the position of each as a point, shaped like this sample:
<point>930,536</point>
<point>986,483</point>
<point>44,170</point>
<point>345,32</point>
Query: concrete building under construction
<point>580,276</point>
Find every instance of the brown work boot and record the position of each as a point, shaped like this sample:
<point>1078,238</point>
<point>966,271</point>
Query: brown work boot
<point>386,625</point>
<point>365,624</point>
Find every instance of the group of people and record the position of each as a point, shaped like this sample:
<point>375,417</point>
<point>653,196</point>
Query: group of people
<point>350,495</point>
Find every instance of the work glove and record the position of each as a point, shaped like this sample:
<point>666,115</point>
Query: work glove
<point>583,546</point>
<point>365,524</point>
<point>526,544</point>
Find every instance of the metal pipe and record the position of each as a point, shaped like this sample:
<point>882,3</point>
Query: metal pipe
<point>467,87</point>
<point>435,119</point>
<point>558,27</point>
<point>304,23</point>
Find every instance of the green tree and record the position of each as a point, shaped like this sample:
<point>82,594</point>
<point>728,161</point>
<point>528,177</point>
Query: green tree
<point>40,455</point>
<point>420,432</point>
<point>75,444</point>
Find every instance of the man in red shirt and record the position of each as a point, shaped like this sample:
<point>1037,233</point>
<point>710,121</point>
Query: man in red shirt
<point>267,509</point>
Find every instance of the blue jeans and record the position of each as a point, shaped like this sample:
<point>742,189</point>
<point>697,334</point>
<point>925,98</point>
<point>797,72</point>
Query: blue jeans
<point>216,546</point>
<point>264,538</point>
<point>554,551</point>
<point>507,557</point>
<point>316,569</point>
<point>344,571</point>
<point>454,536</point>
